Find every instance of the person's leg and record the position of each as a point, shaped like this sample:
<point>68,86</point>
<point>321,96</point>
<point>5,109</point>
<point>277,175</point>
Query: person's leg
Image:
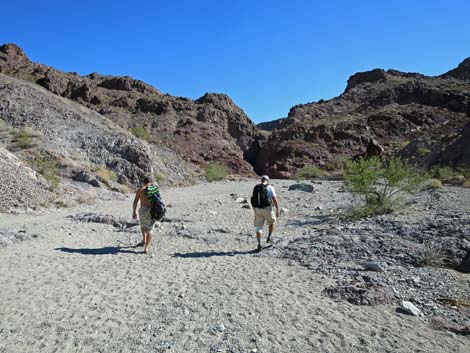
<point>259,234</point>
<point>271,220</point>
<point>259,222</point>
<point>147,242</point>
<point>271,230</point>
<point>144,233</point>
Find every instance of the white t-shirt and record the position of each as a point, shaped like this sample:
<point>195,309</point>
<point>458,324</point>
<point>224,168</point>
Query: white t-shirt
<point>271,192</point>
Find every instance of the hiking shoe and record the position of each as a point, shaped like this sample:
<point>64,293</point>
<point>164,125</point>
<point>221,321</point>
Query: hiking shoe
<point>258,249</point>
<point>269,240</point>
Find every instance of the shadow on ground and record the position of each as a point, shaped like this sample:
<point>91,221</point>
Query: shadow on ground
<point>312,221</point>
<point>212,253</point>
<point>107,250</point>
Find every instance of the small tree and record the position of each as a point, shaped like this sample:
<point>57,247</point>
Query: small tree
<point>382,185</point>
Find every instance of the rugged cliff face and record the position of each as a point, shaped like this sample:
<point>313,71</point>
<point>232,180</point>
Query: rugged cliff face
<point>39,126</point>
<point>416,116</point>
<point>391,108</point>
<point>211,128</point>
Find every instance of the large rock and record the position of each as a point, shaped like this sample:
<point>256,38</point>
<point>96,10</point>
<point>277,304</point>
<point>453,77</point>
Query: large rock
<point>464,266</point>
<point>301,187</point>
<point>410,308</point>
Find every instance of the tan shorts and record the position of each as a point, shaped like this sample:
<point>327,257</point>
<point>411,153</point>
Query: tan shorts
<point>147,223</point>
<point>264,214</point>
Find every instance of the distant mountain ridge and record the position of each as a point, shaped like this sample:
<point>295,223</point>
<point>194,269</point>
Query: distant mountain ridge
<point>404,113</point>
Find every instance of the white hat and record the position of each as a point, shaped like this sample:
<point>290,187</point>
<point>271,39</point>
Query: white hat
<point>265,177</point>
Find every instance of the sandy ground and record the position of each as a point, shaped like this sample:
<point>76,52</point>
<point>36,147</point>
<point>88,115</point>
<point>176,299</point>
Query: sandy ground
<point>84,288</point>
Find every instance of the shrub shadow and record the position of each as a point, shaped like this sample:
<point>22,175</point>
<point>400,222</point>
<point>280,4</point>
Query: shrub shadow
<point>107,250</point>
<point>203,254</point>
<point>312,221</point>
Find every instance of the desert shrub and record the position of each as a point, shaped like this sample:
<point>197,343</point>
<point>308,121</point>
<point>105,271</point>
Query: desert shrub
<point>62,204</point>
<point>47,168</point>
<point>308,172</point>
<point>86,198</point>
<point>433,184</point>
<point>423,151</point>
<point>441,173</point>
<point>465,172</point>
<point>160,177</point>
<point>4,130</point>
<point>76,156</point>
<point>24,138</point>
<point>3,124</point>
<point>432,256</point>
<point>124,189</point>
<point>28,76</point>
<point>141,132</point>
<point>106,174</point>
<point>215,171</point>
<point>381,185</point>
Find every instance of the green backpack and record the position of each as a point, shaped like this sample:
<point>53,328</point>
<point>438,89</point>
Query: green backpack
<point>157,206</point>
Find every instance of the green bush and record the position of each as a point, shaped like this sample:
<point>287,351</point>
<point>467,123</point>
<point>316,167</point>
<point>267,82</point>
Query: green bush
<point>308,172</point>
<point>215,171</point>
<point>423,151</point>
<point>25,138</point>
<point>442,173</point>
<point>381,185</point>
<point>141,132</point>
<point>47,168</point>
<point>434,184</point>
<point>105,174</point>
<point>160,177</point>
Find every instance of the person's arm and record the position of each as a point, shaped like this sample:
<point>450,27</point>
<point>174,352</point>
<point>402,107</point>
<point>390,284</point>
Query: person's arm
<point>134,205</point>
<point>276,204</point>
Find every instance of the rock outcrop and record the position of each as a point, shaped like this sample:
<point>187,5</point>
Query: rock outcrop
<point>380,112</point>
<point>209,129</point>
<point>40,126</point>
<point>21,187</point>
<point>390,108</point>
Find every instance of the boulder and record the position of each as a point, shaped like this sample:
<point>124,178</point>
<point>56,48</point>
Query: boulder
<point>301,187</point>
<point>372,266</point>
<point>410,308</point>
<point>464,266</point>
<point>361,293</point>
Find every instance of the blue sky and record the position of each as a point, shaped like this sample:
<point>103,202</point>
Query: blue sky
<point>266,55</point>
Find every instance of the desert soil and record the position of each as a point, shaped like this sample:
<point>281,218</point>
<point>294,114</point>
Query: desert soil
<point>84,287</point>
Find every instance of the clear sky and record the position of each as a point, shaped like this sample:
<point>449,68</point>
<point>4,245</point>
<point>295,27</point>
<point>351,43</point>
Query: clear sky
<point>268,55</point>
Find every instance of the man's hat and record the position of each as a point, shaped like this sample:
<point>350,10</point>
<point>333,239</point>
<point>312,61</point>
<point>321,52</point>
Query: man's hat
<point>265,177</point>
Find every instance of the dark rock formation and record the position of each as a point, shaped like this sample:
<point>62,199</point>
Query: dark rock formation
<point>76,137</point>
<point>464,266</point>
<point>417,116</point>
<point>390,108</point>
<point>461,72</point>
<point>271,125</point>
<point>457,153</point>
<point>212,128</point>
